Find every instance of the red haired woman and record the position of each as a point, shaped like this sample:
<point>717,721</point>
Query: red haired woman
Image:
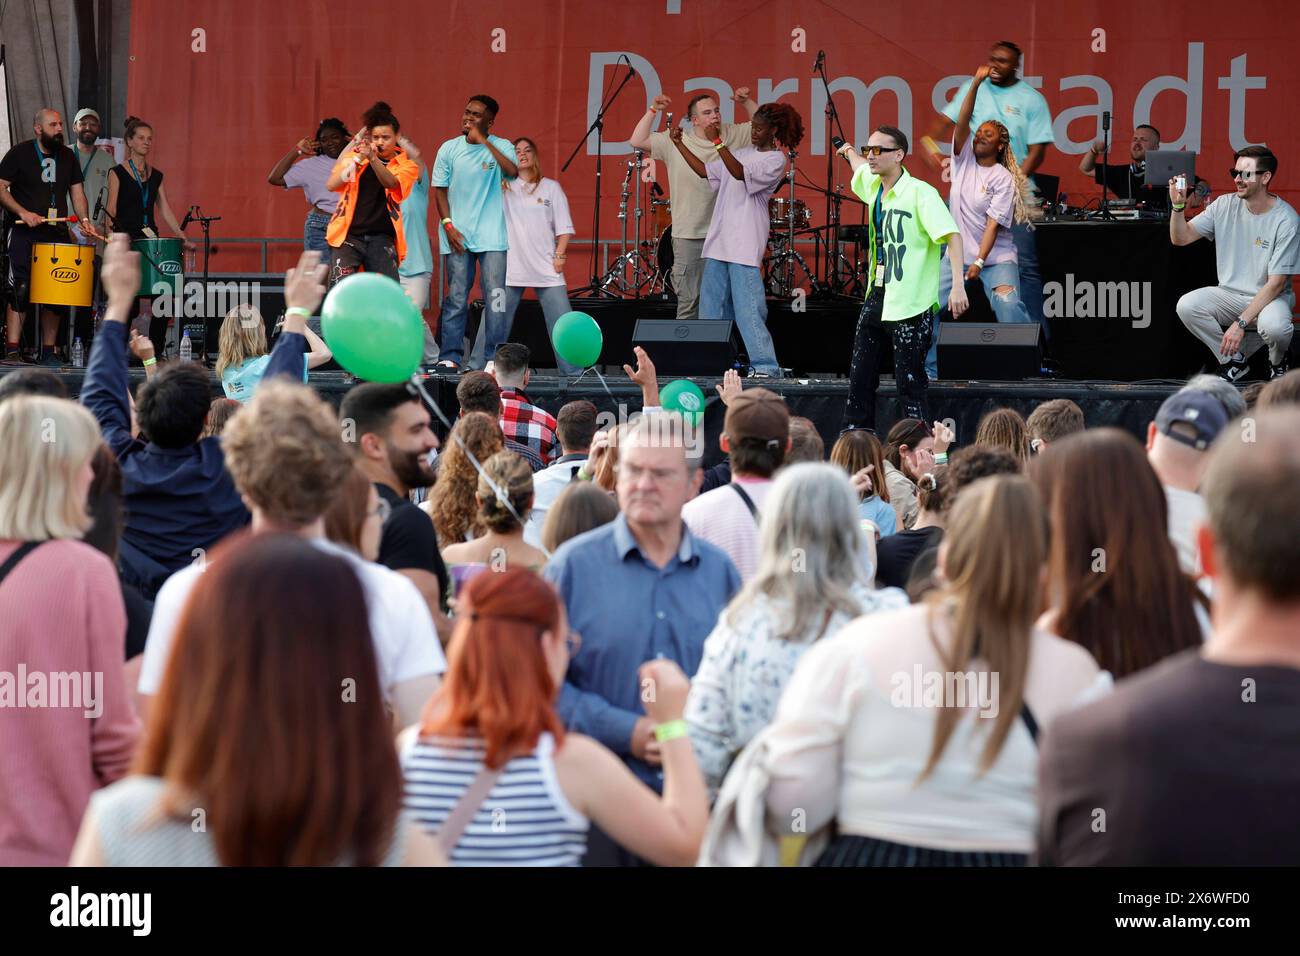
<point>492,752</point>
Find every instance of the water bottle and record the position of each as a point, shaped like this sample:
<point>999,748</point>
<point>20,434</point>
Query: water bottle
<point>187,352</point>
<point>78,354</point>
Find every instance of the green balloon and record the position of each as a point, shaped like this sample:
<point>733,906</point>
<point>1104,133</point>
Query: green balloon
<point>685,397</point>
<point>373,329</point>
<point>577,339</point>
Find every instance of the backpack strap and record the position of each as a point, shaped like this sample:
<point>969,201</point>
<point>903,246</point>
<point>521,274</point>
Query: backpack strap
<point>749,502</point>
<point>24,549</point>
<point>466,808</point>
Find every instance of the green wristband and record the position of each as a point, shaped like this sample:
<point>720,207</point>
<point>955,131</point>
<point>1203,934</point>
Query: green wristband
<point>671,731</point>
<point>297,310</point>
<point>1179,207</point>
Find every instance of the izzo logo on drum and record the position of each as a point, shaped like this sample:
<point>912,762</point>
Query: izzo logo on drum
<point>170,268</point>
<point>65,275</point>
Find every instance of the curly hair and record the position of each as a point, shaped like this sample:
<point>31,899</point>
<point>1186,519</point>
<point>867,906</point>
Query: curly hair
<point>1005,428</point>
<point>785,121</point>
<point>381,114</point>
<point>452,504</point>
<point>512,475</point>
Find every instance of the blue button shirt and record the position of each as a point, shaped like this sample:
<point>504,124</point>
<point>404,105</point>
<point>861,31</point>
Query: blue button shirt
<point>628,612</point>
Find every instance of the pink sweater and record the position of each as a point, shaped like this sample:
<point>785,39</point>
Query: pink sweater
<point>61,614</point>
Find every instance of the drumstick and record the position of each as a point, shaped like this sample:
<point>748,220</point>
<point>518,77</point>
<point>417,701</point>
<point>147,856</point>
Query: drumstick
<point>59,219</point>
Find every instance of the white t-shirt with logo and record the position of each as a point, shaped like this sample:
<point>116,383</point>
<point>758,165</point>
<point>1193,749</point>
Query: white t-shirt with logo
<point>1248,248</point>
<point>406,644</point>
<point>534,218</point>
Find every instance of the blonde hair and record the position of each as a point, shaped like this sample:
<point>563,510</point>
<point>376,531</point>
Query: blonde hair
<point>242,337</point>
<point>47,442</point>
<point>1005,428</point>
<point>1026,207</point>
<point>512,475</point>
<point>993,551</point>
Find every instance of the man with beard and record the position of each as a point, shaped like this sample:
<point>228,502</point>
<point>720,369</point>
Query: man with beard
<point>307,167</point>
<point>37,177</point>
<point>389,430</point>
<point>95,166</point>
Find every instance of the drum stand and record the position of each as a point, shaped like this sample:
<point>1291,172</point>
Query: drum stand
<point>780,266</point>
<point>635,259</point>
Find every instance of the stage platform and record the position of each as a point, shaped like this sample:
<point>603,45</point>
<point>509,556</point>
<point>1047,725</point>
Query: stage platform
<point>1126,406</point>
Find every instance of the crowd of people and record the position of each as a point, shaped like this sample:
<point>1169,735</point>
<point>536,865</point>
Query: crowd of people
<point>297,635</point>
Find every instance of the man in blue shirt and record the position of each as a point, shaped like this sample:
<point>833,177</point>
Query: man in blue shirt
<point>179,498</point>
<point>467,177</point>
<point>1023,111</point>
<point>416,270</point>
<point>639,588</point>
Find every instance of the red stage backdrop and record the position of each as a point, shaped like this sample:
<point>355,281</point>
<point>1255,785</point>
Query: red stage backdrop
<point>231,86</point>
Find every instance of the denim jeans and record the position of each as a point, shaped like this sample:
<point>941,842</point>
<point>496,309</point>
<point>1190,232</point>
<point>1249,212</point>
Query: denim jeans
<point>313,233</point>
<point>373,253</point>
<point>911,338</point>
<point>1031,282</point>
<point>555,302</point>
<point>1006,308</point>
<point>459,269</point>
<point>730,290</point>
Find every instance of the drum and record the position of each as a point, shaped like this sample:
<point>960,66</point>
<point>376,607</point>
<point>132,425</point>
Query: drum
<point>161,264</point>
<point>778,213</point>
<point>661,211</point>
<point>62,273</point>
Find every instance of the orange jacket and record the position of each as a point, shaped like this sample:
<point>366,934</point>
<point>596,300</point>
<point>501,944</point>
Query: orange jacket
<point>403,169</point>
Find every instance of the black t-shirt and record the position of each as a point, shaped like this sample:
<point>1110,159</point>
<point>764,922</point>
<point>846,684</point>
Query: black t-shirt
<point>409,541</point>
<point>896,553</point>
<point>133,213</point>
<point>1125,183</point>
<point>28,171</point>
<point>371,217</point>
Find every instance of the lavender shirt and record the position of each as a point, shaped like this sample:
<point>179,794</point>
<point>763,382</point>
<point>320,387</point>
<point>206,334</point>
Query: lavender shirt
<point>738,230</point>
<point>310,175</point>
<point>978,194</point>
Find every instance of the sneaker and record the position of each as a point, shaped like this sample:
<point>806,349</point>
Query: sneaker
<point>50,361</point>
<point>1277,371</point>
<point>1233,371</point>
<point>446,365</point>
<point>751,372</point>
<point>13,358</point>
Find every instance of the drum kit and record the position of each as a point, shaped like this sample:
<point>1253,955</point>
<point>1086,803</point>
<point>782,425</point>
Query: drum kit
<point>645,265</point>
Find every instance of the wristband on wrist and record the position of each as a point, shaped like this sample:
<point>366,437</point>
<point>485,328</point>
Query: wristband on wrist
<point>149,361</point>
<point>671,730</point>
<point>979,262</point>
<point>941,458</point>
<point>446,220</point>
<point>297,310</point>
<point>1179,206</point>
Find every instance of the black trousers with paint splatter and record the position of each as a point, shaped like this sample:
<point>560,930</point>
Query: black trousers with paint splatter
<point>911,340</point>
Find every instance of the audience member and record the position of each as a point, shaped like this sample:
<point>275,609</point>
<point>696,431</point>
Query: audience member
<point>1193,761</point>
<point>1178,444</point>
<point>32,381</point>
<point>219,413</point>
<point>1113,578</point>
<point>896,555</point>
<point>452,504</point>
<point>1250,394</point>
<point>1234,403</point>
<point>479,392</point>
<point>242,352</point>
<point>388,427</point>
<point>638,588</point>
<point>909,776</point>
<point>1283,390</point>
<point>243,737</point>
<point>806,442</point>
<point>581,507</point>
<point>755,437</point>
<point>520,419</point>
<point>356,518</point>
<point>1053,421</point>
<point>287,460</point>
<point>63,625</point>
<point>501,545</point>
<point>968,465</point>
<point>1005,428</point>
<point>491,739</point>
<point>859,454</point>
<point>910,450</point>
<point>575,428</point>
<point>812,578</point>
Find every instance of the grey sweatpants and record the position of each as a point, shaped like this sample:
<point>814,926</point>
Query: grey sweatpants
<point>1209,311</point>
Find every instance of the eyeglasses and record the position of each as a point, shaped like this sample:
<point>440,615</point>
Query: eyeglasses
<point>877,150</point>
<point>1246,174</point>
<point>382,511</point>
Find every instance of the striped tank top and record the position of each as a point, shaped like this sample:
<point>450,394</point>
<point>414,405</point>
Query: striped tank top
<point>525,820</point>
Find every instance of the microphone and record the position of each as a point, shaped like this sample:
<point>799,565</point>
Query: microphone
<point>189,217</point>
<point>668,122</point>
<point>1105,120</point>
<point>99,205</point>
<point>821,58</point>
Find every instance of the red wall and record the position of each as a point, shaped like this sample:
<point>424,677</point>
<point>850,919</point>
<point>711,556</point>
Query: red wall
<point>271,70</point>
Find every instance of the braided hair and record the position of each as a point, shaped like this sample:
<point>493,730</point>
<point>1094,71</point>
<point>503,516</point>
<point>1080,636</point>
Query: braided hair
<point>785,121</point>
<point>1025,205</point>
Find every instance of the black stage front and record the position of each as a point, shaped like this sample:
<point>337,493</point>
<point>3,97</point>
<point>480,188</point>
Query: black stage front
<point>1125,406</point>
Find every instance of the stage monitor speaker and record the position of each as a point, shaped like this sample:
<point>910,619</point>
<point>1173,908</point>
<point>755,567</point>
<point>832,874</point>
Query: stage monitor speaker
<point>691,347</point>
<point>1006,351</point>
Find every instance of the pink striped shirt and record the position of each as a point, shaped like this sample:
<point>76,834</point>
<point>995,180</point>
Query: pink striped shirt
<point>61,618</point>
<point>722,518</point>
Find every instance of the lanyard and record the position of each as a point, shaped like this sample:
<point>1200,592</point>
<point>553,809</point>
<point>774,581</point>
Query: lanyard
<point>144,190</point>
<point>40,162</point>
<point>878,220</point>
<point>85,167</point>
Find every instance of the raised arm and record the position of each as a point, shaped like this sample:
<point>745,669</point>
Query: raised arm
<point>1181,233</point>
<point>962,128</point>
<point>742,98</point>
<point>691,159</point>
<point>105,391</point>
<point>304,147</point>
<point>640,138</point>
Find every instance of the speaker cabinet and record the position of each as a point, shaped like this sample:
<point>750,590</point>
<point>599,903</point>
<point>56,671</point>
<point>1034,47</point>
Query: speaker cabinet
<point>1001,351</point>
<point>693,347</point>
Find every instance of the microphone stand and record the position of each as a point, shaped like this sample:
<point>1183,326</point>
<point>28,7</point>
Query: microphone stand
<point>833,285</point>
<point>1103,213</point>
<point>205,223</point>
<point>598,126</point>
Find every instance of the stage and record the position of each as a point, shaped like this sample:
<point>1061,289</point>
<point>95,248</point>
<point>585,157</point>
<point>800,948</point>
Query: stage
<point>1126,406</point>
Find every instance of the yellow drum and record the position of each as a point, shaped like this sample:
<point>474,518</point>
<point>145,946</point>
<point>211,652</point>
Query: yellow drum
<point>62,273</point>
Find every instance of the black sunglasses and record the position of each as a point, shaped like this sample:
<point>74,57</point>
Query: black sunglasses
<point>1246,174</point>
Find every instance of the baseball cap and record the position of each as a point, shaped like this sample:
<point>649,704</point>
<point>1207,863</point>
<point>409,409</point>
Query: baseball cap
<point>1192,417</point>
<point>83,113</point>
<point>757,414</point>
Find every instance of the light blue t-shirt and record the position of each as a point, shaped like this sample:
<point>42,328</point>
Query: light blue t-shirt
<point>1019,107</point>
<point>473,178</point>
<point>415,226</point>
<point>240,381</point>
<point>881,513</point>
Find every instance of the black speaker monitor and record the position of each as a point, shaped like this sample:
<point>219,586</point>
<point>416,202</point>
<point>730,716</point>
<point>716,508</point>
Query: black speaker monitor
<point>692,347</point>
<point>1006,351</point>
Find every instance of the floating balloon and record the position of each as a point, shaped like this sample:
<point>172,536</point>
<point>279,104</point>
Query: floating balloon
<point>685,397</point>
<point>373,328</point>
<point>577,339</point>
